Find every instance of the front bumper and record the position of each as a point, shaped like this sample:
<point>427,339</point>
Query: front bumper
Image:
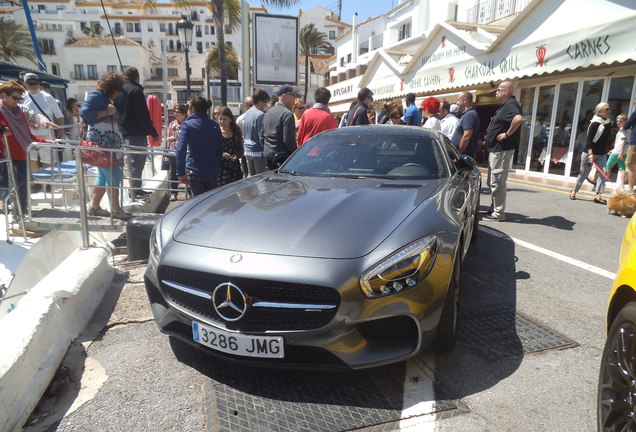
<point>356,333</point>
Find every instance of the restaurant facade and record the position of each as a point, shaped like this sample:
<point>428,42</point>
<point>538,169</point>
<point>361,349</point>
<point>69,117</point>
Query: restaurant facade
<point>563,56</point>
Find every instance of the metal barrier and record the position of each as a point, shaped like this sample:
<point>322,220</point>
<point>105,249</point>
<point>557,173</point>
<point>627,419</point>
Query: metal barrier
<point>60,176</point>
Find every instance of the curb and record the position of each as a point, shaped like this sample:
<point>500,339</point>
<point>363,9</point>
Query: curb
<point>34,338</point>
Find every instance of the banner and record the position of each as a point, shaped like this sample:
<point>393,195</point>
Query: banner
<point>276,49</point>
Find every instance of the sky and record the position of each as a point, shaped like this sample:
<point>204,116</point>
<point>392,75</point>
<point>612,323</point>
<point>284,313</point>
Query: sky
<point>365,8</point>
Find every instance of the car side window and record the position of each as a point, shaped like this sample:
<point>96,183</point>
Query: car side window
<point>453,156</point>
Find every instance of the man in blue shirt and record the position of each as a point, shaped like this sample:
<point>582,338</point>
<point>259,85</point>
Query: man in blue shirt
<point>412,114</point>
<point>467,132</point>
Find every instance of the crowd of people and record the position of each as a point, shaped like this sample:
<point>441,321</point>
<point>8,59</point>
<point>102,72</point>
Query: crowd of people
<point>215,151</point>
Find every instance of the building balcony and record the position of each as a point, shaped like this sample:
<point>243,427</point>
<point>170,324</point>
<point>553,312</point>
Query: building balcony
<point>487,12</point>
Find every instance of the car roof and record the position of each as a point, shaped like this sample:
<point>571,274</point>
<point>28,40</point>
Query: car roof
<point>381,130</point>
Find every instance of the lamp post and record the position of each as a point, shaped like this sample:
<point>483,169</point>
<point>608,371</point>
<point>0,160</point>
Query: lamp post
<point>184,30</point>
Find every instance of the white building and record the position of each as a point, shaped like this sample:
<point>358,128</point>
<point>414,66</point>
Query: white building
<point>564,56</point>
<point>68,53</point>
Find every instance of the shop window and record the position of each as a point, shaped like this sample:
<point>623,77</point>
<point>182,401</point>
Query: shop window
<point>527,102</point>
<point>541,138</point>
<point>562,127</point>
<point>619,98</point>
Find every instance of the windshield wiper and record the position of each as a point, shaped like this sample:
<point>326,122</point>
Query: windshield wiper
<point>291,172</point>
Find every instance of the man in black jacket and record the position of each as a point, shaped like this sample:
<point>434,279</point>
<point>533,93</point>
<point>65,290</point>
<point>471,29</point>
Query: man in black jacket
<point>358,114</point>
<point>136,125</point>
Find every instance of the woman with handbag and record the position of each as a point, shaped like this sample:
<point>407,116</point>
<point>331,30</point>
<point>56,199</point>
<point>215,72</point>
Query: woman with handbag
<point>595,152</point>
<point>180,114</point>
<point>18,133</point>
<point>99,112</point>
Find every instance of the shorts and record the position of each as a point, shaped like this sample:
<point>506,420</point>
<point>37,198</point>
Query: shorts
<point>44,153</point>
<point>104,174</point>
<point>630,160</point>
<point>613,160</point>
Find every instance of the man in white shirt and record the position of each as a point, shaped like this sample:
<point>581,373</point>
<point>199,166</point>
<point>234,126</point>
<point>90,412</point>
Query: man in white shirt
<point>449,119</point>
<point>44,104</point>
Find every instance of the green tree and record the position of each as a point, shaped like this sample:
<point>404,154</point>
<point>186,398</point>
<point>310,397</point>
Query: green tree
<point>232,62</point>
<point>312,40</point>
<point>15,42</point>
<point>93,30</point>
<point>219,9</point>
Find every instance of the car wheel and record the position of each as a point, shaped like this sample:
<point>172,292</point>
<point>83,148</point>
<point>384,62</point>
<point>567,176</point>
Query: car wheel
<point>617,379</point>
<point>474,235</point>
<point>447,327</point>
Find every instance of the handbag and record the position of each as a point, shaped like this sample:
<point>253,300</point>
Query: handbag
<point>92,156</point>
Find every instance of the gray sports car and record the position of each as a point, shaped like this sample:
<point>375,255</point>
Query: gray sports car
<point>347,256</point>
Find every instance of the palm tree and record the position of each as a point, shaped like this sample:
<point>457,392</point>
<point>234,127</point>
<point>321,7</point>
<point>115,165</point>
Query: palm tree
<point>232,62</point>
<point>312,41</point>
<point>15,42</point>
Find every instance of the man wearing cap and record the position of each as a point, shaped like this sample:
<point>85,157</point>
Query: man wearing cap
<point>465,137</point>
<point>449,119</point>
<point>279,128</point>
<point>44,104</point>
<point>412,114</point>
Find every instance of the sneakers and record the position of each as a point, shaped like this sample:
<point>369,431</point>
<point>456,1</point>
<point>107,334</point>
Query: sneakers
<point>122,215</point>
<point>98,212</point>
<point>490,217</point>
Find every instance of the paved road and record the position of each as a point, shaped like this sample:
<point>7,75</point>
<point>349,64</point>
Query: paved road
<point>532,329</point>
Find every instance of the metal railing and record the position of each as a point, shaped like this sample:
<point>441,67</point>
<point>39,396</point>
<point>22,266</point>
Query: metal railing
<point>486,12</point>
<point>57,177</point>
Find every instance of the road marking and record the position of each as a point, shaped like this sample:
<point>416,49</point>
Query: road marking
<point>418,412</point>
<point>552,254</point>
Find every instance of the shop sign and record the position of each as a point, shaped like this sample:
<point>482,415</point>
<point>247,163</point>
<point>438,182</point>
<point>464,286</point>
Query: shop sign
<point>444,54</point>
<point>589,47</point>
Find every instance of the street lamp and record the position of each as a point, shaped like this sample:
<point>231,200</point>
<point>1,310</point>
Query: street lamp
<point>184,30</point>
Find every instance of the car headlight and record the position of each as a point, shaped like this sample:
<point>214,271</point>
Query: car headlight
<point>159,236</point>
<point>402,270</point>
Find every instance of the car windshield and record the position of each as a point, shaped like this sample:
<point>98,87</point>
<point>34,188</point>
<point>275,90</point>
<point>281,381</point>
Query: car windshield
<point>417,157</point>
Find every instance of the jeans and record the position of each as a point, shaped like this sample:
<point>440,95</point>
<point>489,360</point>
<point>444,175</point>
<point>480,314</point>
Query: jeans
<point>20,169</point>
<point>135,162</point>
<point>586,167</point>
<point>256,165</point>
<point>200,185</point>
<point>499,164</point>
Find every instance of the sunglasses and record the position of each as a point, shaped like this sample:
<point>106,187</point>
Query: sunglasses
<point>499,90</point>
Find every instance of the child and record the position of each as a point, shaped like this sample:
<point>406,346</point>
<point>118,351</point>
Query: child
<point>618,153</point>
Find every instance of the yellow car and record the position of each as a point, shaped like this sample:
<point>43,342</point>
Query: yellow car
<point>617,379</point>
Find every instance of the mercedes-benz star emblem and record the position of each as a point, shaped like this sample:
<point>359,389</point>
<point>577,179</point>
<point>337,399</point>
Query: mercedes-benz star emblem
<point>229,301</point>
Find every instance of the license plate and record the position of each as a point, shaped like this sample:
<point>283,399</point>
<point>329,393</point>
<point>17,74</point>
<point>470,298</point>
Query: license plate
<point>238,344</point>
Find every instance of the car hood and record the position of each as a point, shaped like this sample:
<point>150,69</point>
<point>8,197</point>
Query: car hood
<point>302,216</point>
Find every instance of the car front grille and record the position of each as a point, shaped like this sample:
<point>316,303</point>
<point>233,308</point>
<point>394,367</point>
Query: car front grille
<point>256,319</point>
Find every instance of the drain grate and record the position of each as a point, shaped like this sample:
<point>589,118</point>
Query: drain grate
<point>265,400</point>
<point>500,332</point>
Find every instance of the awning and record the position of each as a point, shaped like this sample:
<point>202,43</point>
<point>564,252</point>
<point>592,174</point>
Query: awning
<point>340,108</point>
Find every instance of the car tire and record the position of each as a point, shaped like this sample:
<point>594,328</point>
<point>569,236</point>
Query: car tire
<point>447,327</point>
<point>617,377</point>
<point>475,232</point>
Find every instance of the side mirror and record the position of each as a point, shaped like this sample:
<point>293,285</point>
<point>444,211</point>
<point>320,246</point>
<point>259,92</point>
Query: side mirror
<point>280,157</point>
<point>465,162</point>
